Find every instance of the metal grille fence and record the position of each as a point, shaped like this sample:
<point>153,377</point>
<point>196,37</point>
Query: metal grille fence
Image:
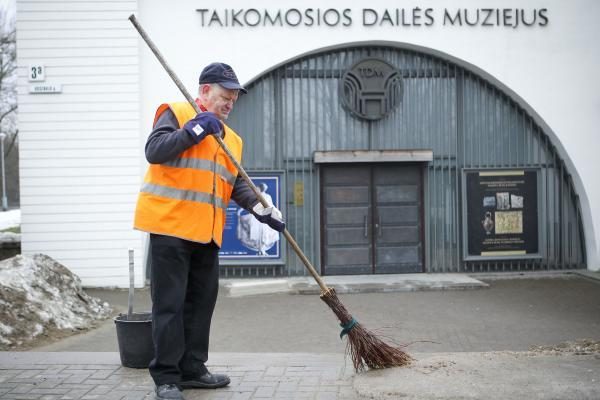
<point>296,109</point>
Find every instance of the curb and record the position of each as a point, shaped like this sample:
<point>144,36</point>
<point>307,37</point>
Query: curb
<point>352,284</point>
<point>249,287</point>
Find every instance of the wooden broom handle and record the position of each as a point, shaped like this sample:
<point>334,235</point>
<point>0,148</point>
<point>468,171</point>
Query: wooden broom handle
<point>240,169</point>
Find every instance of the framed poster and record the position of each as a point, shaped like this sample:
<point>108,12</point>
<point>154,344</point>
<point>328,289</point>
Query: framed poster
<point>245,239</point>
<point>500,214</point>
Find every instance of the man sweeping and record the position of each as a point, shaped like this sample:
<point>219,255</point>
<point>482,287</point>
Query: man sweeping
<point>182,204</point>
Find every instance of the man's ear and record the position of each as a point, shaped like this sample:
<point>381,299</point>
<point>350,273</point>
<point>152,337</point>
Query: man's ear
<point>204,90</point>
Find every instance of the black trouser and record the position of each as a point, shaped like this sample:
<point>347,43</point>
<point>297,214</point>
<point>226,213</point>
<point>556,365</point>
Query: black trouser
<point>185,283</point>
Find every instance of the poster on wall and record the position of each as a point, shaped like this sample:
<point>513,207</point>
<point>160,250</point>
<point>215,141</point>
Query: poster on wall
<point>500,214</point>
<point>245,239</point>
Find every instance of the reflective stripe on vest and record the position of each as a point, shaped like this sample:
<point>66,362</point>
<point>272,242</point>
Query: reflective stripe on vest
<point>203,165</point>
<point>187,197</point>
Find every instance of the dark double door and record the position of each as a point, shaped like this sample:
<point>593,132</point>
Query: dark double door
<point>371,218</point>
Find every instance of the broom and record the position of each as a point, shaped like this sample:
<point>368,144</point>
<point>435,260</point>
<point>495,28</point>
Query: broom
<point>364,347</point>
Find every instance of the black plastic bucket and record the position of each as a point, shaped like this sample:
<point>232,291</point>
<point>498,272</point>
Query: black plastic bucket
<point>135,339</point>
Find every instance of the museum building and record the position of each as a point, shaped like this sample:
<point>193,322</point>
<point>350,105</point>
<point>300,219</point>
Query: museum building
<point>419,137</point>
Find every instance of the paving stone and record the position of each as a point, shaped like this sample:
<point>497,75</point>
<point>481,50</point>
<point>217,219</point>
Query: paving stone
<point>21,396</point>
<point>241,396</point>
<point>233,374</point>
<point>100,389</point>
<point>48,383</point>
<point>284,395</point>
<point>60,391</point>
<point>76,386</point>
<point>303,396</point>
<point>309,380</point>
<point>310,388</point>
<point>126,395</point>
<point>287,387</point>
<point>207,395</point>
<point>94,366</point>
<point>326,396</point>
<point>347,393</point>
<point>29,373</point>
<point>246,387</point>
<point>295,369</point>
<point>74,394</point>
<point>333,382</point>
<point>272,379</point>
<point>135,386</point>
<point>252,376</point>
<point>248,368</point>
<point>264,392</point>
<point>22,388</point>
<point>329,388</point>
<point>302,374</point>
<point>77,378</point>
<point>105,373</point>
<point>54,370</point>
<point>20,366</point>
<point>275,371</point>
<point>6,374</point>
<point>111,380</point>
<point>7,386</point>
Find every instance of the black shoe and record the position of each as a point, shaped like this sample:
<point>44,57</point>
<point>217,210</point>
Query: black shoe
<point>168,392</point>
<point>206,381</point>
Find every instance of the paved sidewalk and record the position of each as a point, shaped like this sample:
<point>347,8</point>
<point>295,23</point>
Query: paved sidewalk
<point>302,376</point>
<point>91,376</point>
<point>252,335</point>
<point>489,376</point>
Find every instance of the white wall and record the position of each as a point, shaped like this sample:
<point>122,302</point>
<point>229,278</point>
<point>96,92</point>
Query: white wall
<point>79,149</point>
<point>553,69</point>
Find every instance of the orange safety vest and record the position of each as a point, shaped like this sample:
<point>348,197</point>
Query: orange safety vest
<point>187,197</point>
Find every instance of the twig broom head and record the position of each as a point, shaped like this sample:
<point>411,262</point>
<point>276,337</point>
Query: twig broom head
<point>366,349</point>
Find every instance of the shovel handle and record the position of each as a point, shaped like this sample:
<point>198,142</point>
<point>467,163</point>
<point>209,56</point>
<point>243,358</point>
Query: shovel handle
<point>240,169</point>
<point>131,284</point>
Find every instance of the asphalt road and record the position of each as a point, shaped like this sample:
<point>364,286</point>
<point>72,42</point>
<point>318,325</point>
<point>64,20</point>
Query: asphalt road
<point>510,315</point>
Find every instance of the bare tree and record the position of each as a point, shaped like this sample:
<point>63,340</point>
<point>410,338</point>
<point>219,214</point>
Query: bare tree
<point>8,103</point>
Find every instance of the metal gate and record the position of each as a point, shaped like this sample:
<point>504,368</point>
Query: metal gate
<point>371,219</point>
<point>468,122</point>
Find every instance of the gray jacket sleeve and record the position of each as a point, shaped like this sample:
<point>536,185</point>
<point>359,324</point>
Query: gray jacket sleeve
<point>166,141</point>
<point>243,195</point>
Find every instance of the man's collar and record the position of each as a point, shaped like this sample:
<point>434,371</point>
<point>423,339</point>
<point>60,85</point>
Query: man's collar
<point>201,105</point>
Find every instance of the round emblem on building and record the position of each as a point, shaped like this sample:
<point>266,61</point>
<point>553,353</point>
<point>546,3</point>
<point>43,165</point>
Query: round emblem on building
<point>371,88</point>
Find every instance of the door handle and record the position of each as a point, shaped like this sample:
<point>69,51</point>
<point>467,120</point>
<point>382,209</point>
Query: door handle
<point>366,227</point>
<point>378,225</point>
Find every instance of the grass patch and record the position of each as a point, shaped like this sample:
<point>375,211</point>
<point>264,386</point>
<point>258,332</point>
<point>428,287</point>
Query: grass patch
<point>14,229</point>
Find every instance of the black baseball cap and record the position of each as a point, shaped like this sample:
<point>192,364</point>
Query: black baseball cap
<point>222,74</point>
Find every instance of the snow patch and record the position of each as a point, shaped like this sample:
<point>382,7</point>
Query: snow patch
<point>5,329</point>
<point>10,219</point>
<point>39,295</point>
<point>10,237</point>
